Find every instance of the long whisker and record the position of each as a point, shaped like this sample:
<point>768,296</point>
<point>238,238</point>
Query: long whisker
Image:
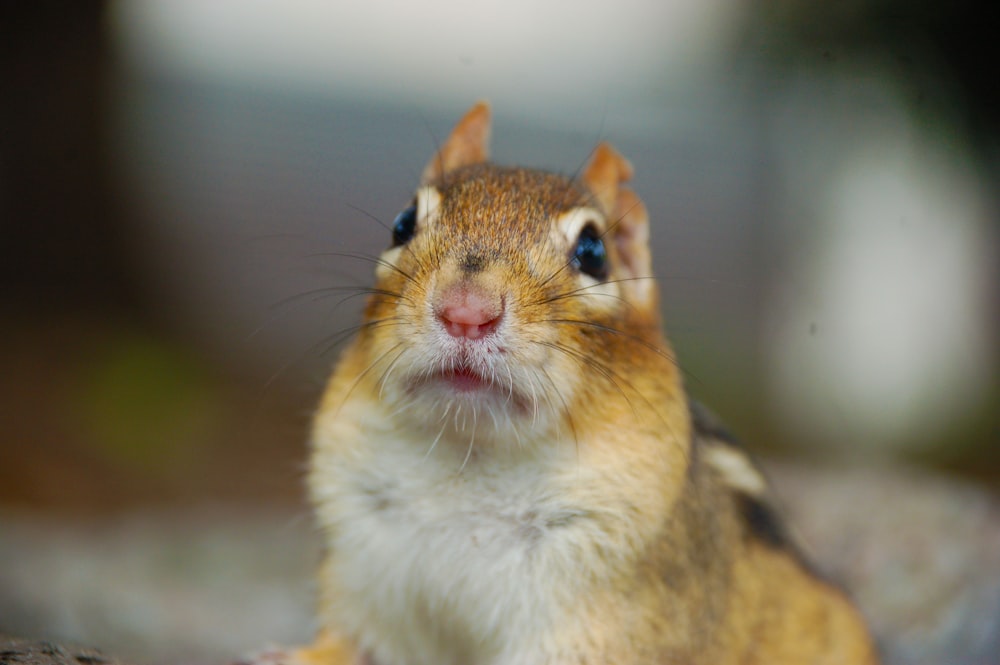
<point>371,259</point>
<point>468,453</point>
<point>325,344</point>
<point>615,331</point>
<point>608,230</point>
<point>315,295</point>
<point>434,443</point>
<point>332,341</point>
<point>437,144</point>
<point>634,338</point>
<point>581,292</point>
<point>472,439</point>
<point>596,142</point>
<point>616,380</point>
<point>565,407</point>
<point>385,375</point>
<point>407,248</point>
<point>601,369</point>
<point>365,372</point>
<point>534,402</point>
<point>368,215</point>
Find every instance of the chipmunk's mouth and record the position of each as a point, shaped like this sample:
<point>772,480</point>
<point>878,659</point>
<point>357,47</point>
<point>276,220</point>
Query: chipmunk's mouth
<point>465,380</point>
<point>471,385</point>
<point>461,380</point>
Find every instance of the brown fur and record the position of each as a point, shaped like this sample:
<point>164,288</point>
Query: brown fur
<point>690,564</point>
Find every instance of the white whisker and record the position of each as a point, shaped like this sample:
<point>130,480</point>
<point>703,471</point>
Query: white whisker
<point>434,443</point>
<point>468,453</point>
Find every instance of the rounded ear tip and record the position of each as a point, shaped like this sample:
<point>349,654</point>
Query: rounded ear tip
<point>477,122</point>
<point>467,144</point>
<point>481,112</point>
<point>608,153</point>
<point>605,173</point>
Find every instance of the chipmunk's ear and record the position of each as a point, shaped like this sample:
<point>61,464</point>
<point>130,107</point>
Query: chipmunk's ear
<point>469,143</point>
<point>628,219</point>
<point>604,174</point>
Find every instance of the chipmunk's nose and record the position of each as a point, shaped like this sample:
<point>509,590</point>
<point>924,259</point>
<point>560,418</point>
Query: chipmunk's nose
<point>469,312</point>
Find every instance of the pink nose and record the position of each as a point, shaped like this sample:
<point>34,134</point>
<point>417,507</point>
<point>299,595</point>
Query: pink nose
<point>468,312</point>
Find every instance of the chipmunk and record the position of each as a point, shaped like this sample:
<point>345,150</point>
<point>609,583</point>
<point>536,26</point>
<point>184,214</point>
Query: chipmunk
<point>507,469</point>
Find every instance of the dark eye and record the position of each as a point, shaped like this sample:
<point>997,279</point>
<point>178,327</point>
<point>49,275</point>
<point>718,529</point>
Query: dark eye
<point>404,226</point>
<point>589,255</point>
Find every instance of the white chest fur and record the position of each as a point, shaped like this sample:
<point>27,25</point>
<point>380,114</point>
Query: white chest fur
<point>434,563</point>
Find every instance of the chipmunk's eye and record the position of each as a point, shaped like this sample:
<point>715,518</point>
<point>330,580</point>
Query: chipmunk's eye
<point>404,226</point>
<point>589,255</point>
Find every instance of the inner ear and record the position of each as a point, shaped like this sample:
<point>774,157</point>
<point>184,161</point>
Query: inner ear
<point>468,143</point>
<point>630,230</point>
<point>628,221</point>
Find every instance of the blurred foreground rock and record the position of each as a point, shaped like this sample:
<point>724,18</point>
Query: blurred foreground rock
<point>920,553</point>
<point>24,652</point>
<point>161,588</point>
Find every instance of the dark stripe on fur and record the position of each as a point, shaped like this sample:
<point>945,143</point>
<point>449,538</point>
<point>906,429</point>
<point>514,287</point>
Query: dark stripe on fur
<point>706,424</point>
<point>763,522</point>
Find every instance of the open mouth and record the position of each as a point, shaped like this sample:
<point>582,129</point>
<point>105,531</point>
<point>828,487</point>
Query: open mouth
<point>469,384</point>
<point>465,380</point>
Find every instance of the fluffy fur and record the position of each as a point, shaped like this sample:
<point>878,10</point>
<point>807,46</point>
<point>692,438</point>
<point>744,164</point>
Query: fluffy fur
<point>545,494</point>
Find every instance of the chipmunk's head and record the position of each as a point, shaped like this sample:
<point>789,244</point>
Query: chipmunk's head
<point>509,297</point>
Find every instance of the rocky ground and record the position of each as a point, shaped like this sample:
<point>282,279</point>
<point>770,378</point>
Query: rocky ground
<point>920,553</point>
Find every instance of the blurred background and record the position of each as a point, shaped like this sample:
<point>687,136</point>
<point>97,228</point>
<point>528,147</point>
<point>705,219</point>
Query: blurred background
<point>174,177</point>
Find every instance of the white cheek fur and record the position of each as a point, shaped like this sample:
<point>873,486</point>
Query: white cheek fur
<point>428,204</point>
<point>601,296</point>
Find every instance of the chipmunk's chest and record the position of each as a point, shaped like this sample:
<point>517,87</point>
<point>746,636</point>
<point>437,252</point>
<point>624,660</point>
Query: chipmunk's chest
<point>435,563</point>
